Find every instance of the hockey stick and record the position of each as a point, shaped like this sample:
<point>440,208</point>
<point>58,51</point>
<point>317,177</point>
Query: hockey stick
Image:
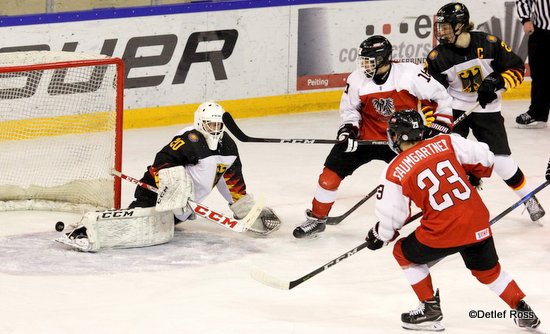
<point>239,134</point>
<point>463,116</point>
<point>338,219</point>
<point>520,202</point>
<point>237,225</point>
<point>277,283</point>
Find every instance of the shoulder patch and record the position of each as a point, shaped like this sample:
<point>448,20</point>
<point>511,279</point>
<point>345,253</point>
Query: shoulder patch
<point>491,38</point>
<point>432,55</point>
<point>193,137</point>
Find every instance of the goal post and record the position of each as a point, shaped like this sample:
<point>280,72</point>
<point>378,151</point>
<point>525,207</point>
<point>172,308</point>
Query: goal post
<point>60,131</point>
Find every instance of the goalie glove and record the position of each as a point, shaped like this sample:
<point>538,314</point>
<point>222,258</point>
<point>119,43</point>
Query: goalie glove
<point>265,224</point>
<point>175,189</point>
<point>347,135</point>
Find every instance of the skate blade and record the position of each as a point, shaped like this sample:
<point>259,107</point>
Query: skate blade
<point>81,246</point>
<point>534,125</point>
<point>429,326</point>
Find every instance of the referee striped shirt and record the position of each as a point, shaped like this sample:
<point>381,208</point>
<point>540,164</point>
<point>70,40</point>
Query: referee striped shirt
<point>538,11</point>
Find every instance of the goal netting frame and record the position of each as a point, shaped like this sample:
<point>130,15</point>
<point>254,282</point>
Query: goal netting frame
<point>60,131</point>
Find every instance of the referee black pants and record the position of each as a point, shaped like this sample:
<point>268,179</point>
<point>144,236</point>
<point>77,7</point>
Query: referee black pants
<point>538,49</point>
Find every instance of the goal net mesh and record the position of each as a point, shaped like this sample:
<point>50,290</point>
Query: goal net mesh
<point>60,131</point>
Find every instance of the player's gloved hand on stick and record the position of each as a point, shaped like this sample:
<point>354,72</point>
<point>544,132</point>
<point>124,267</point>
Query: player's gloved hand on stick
<point>373,239</point>
<point>347,135</point>
<point>548,171</point>
<point>475,181</point>
<point>428,112</point>
<point>487,90</point>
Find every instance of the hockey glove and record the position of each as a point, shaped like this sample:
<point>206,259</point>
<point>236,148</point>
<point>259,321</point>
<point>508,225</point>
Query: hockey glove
<point>428,112</point>
<point>548,171</point>
<point>347,135</point>
<point>487,90</point>
<point>475,181</point>
<point>373,239</point>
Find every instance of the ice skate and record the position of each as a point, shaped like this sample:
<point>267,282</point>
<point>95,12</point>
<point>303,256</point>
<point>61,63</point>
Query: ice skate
<point>77,238</point>
<point>311,227</point>
<point>427,317</point>
<point>534,208</point>
<point>525,317</point>
<point>525,121</point>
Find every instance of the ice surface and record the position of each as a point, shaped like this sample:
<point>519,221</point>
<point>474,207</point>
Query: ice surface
<point>200,282</point>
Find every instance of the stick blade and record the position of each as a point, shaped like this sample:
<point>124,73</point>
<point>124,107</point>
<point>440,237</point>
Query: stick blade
<point>269,280</point>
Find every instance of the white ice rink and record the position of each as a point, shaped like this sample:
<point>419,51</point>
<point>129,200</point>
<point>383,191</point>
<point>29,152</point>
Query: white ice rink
<point>200,282</point>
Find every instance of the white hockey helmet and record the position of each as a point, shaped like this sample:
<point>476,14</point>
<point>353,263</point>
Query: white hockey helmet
<point>208,121</point>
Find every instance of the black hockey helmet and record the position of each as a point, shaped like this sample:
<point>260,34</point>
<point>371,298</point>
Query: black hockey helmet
<point>374,52</point>
<point>453,15</point>
<point>403,126</point>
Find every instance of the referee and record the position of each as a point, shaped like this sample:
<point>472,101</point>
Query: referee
<point>535,17</point>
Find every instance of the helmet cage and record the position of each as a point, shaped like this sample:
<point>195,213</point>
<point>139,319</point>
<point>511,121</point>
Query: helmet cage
<point>374,52</point>
<point>208,121</point>
<point>369,65</point>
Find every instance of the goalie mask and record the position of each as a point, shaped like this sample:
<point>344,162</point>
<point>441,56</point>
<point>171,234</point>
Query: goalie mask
<point>374,53</point>
<point>450,21</point>
<point>208,121</point>
<point>404,126</point>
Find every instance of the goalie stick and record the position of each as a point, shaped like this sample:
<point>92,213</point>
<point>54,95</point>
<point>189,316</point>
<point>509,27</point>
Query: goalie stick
<point>237,225</point>
<point>277,283</point>
<point>239,134</point>
<point>339,219</point>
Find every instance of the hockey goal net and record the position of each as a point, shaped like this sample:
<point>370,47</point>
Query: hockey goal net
<point>60,131</point>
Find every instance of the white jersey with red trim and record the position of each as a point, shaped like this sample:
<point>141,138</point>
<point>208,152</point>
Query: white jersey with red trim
<point>433,175</point>
<point>369,105</point>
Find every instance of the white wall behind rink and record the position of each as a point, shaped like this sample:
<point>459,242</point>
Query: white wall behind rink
<point>277,51</point>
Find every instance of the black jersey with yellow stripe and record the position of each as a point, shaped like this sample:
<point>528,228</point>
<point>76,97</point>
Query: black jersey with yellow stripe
<point>462,70</point>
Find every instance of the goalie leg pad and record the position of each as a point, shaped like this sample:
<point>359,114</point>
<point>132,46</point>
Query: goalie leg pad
<point>175,189</point>
<point>139,227</point>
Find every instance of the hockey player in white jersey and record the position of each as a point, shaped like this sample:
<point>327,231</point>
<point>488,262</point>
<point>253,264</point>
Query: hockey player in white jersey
<point>373,92</point>
<point>209,159</point>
